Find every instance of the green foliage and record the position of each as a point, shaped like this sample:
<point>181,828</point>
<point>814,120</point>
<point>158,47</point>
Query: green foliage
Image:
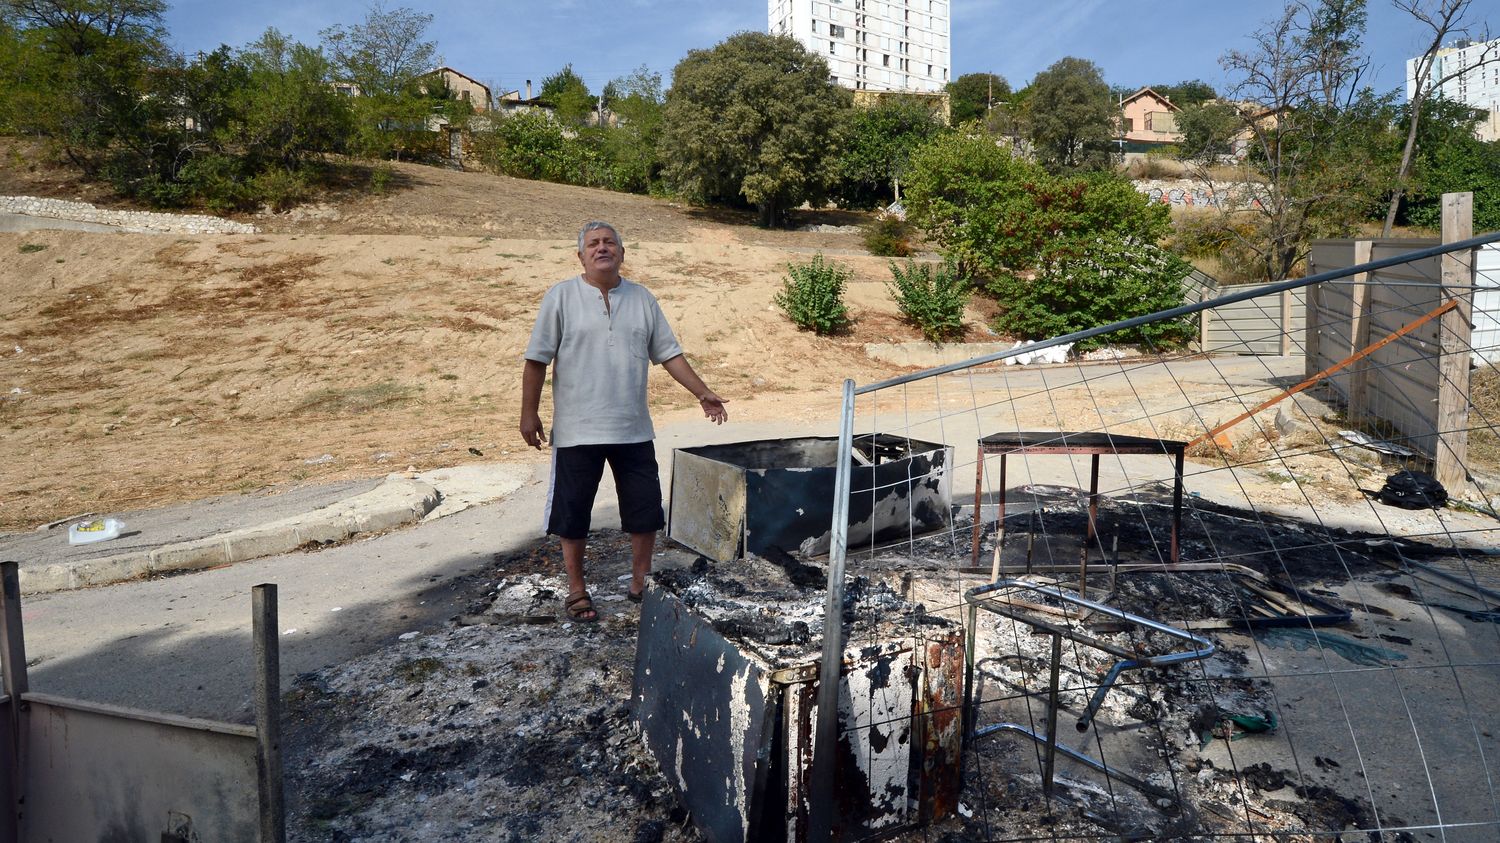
<point>1096,282</point>
<point>1187,93</point>
<point>1072,117</point>
<point>878,143</point>
<point>1451,160</point>
<point>383,55</point>
<point>1208,131</point>
<point>888,236</point>
<point>569,94</point>
<point>933,300</point>
<point>993,213</point>
<point>753,120</point>
<point>636,101</point>
<point>812,295</point>
<point>971,95</point>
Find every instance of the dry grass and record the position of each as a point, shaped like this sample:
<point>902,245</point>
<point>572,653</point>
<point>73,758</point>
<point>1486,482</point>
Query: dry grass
<point>1484,438</point>
<point>355,400</point>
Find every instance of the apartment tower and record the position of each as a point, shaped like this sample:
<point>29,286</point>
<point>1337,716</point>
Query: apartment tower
<point>872,45</point>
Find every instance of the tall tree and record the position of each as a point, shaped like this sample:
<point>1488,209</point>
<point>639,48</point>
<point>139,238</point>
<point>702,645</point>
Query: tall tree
<point>878,147</point>
<point>80,26</point>
<point>569,94</point>
<point>972,96</point>
<point>383,54</point>
<point>636,101</point>
<point>754,120</point>
<point>1445,19</point>
<point>1072,116</point>
<point>1313,141</point>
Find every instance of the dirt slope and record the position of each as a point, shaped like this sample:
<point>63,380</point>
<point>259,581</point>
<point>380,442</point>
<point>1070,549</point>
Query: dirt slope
<point>361,338</point>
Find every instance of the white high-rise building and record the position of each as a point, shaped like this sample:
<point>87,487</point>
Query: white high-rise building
<point>872,45</point>
<point>1478,86</point>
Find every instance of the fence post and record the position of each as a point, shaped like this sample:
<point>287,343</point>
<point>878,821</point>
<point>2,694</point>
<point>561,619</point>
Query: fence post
<point>264,631</point>
<point>1359,330</point>
<point>13,644</point>
<point>1454,348</point>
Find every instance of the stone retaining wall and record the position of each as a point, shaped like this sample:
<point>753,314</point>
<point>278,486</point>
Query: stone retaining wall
<point>1193,193</point>
<point>139,222</point>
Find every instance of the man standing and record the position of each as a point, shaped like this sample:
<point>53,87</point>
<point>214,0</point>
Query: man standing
<point>601,333</point>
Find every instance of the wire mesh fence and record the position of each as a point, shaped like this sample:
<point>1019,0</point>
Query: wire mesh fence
<point>1216,596</point>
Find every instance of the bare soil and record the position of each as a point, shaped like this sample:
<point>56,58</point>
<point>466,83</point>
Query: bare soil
<point>384,332</point>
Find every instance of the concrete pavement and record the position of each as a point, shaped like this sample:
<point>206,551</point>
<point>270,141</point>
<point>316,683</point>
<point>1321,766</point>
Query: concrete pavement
<point>236,528</point>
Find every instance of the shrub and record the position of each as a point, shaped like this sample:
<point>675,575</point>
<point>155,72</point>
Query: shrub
<point>280,190</point>
<point>889,236</point>
<point>933,301</point>
<point>813,295</point>
<point>1095,283</point>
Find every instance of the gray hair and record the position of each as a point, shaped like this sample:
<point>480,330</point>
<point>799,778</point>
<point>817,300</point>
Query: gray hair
<point>594,226</point>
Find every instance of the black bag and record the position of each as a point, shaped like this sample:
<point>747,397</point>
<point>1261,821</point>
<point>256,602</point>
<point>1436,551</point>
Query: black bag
<point>1413,490</point>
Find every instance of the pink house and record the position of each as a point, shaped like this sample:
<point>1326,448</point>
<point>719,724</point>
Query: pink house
<point>1149,119</point>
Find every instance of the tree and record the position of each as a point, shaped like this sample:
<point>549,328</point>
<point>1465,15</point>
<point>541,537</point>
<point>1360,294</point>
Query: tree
<point>383,55</point>
<point>1315,144</point>
<point>1451,159</point>
<point>878,146</point>
<point>972,96</point>
<point>1445,19</point>
<point>1208,130</point>
<point>1187,93</point>
<point>995,214</point>
<point>636,101</point>
<point>568,93</point>
<point>290,110</point>
<point>1072,116</point>
<point>79,27</point>
<point>754,120</point>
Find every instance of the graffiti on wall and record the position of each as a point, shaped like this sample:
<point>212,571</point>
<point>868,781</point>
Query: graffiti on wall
<point>1191,195</point>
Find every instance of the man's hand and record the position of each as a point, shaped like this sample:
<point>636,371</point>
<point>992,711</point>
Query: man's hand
<point>713,407</point>
<point>531,431</point>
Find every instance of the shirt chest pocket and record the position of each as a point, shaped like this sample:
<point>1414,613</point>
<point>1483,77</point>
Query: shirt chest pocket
<point>638,343</point>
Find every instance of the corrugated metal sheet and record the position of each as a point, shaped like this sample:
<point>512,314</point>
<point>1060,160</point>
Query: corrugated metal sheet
<point>1255,326</point>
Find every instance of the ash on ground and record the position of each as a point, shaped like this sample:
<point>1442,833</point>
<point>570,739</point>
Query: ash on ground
<point>512,724</point>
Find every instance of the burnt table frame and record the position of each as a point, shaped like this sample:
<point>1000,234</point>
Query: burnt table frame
<point>1073,444</point>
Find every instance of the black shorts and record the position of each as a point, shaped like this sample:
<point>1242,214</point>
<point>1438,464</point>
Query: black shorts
<point>576,472</point>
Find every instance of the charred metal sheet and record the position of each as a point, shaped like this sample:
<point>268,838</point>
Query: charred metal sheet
<point>776,495</point>
<point>734,733</point>
<point>97,772</point>
<point>702,706</point>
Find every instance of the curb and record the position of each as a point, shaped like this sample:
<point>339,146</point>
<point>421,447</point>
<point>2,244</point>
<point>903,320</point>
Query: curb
<point>396,501</point>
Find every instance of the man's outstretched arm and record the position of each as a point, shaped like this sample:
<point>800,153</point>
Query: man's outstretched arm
<point>682,372</point>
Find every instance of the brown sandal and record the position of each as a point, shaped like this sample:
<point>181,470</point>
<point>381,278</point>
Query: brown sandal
<point>580,607</point>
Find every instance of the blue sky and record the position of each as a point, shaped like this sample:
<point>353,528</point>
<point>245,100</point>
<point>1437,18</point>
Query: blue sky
<point>504,43</point>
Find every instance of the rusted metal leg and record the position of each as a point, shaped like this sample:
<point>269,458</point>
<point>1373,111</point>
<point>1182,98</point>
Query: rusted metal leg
<point>1091,530</point>
<point>268,712</point>
<point>1177,507</point>
<point>1050,759</point>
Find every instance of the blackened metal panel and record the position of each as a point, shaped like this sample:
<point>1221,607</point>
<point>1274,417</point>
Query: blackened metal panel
<point>708,505</point>
<point>702,707</point>
<point>875,717</point>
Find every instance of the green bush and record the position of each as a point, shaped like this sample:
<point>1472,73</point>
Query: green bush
<point>1097,282</point>
<point>933,301</point>
<point>889,237</point>
<point>813,295</point>
<point>280,190</point>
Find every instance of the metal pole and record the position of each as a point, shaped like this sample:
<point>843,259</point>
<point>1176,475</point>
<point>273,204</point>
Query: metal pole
<point>1049,765</point>
<point>268,712</point>
<point>13,648</point>
<point>825,743</point>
